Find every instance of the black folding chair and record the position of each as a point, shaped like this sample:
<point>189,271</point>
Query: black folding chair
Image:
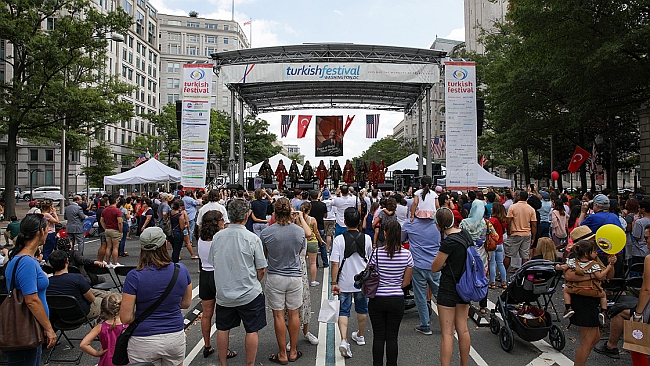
<point>122,271</point>
<point>96,270</point>
<point>66,314</point>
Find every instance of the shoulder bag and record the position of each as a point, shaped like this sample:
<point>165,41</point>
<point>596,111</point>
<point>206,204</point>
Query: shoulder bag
<point>19,329</point>
<point>491,237</point>
<point>120,355</point>
<point>368,279</point>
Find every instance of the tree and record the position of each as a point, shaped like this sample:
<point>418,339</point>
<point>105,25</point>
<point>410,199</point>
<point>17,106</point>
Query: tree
<point>193,14</point>
<point>257,140</point>
<point>40,94</point>
<point>101,164</point>
<point>387,149</point>
<point>166,139</point>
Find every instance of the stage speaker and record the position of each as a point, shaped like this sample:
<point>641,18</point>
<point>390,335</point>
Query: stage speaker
<point>386,186</point>
<point>269,186</point>
<point>306,187</point>
<point>250,184</point>
<point>232,186</point>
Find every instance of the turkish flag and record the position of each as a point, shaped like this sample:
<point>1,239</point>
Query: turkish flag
<point>579,157</point>
<point>303,124</point>
<point>348,122</point>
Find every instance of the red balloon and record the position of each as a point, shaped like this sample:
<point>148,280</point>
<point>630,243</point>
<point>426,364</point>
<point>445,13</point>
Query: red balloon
<point>555,175</point>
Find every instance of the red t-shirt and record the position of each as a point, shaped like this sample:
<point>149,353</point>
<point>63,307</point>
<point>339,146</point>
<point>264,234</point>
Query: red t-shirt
<point>110,215</point>
<point>499,227</point>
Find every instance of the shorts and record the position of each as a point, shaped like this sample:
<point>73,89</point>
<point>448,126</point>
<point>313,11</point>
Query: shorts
<point>360,303</point>
<point>113,235</point>
<point>167,349</point>
<point>449,298</point>
<point>329,227</point>
<point>207,288</point>
<point>312,247</point>
<point>102,237</point>
<point>516,244</point>
<point>283,292</point>
<point>253,315</point>
<point>586,311</point>
<point>339,230</point>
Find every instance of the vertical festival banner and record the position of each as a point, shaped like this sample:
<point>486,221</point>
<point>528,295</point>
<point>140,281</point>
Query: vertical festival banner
<point>329,136</point>
<point>460,112</point>
<point>195,124</point>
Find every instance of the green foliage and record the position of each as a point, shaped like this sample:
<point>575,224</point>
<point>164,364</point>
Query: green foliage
<point>257,140</point>
<point>166,140</point>
<point>101,165</point>
<point>388,149</point>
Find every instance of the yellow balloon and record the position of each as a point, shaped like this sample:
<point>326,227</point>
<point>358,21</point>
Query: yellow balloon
<point>610,239</point>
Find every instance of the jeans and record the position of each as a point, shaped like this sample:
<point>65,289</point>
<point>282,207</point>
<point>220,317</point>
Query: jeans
<point>386,314</point>
<point>496,259</point>
<point>323,250</point>
<point>31,357</point>
<point>48,247</point>
<point>125,230</point>
<point>192,224</point>
<point>177,245</point>
<point>420,279</point>
<point>258,227</point>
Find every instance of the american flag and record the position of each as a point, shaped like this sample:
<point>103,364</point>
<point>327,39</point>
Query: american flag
<point>483,160</point>
<point>372,125</point>
<point>139,160</point>
<point>436,146</point>
<point>591,160</point>
<point>247,23</point>
<point>286,123</point>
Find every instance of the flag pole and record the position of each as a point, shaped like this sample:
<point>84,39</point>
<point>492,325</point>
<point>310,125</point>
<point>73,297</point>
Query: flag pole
<point>233,10</point>
<point>250,33</point>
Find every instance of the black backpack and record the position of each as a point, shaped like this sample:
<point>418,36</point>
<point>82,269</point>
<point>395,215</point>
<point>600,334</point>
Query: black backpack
<point>356,244</point>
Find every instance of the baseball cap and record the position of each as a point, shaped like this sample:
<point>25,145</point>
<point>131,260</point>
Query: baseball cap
<point>601,200</point>
<point>545,195</point>
<point>438,189</point>
<point>152,238</point>
<point>326,194</point>
<point>581,233</point>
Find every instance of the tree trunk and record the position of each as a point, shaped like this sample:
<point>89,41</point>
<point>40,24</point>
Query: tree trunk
<point>583,168</point>
<point>559,183</point>
<point>526,170</point>
<point>10,170</point>
<point>613,163</point>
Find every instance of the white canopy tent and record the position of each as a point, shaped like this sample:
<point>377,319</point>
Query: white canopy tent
<point>485,179</point>
<point>151,171</point>
<point>273,161</point>
<point>409,162</point>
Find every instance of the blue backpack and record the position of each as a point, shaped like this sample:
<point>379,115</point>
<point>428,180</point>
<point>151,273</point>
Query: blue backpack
<point>473,284</point>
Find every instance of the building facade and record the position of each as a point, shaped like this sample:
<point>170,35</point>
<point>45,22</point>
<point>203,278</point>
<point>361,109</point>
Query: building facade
<point>479,15</point>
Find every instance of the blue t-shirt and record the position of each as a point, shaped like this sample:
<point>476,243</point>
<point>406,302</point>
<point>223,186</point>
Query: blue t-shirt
<point>488,210</point>
<point>598,219</point>
<point>30,278</point>
<point>148,285</point>
<point>73,284</point>
<point>424,241</point>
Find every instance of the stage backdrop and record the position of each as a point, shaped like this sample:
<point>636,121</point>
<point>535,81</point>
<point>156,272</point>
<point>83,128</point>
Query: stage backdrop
<point>329,136</point>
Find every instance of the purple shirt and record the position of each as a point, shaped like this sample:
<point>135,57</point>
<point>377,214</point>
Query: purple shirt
<point>391,270</point>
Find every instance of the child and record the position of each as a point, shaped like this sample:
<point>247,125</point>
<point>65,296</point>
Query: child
<point>586,262</point>
<point>108,331</point>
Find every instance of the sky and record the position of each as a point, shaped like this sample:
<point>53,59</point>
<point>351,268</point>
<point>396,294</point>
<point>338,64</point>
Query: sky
<point>407,23</point>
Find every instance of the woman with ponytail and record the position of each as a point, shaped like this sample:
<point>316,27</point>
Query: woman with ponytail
<point>32,282</point>
<point>49,213</point>
<point>425,201</point>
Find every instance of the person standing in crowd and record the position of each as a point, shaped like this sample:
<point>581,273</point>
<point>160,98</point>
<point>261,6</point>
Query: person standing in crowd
<point>313,240</point>
<point>509,200</point>
<point>368,229</point>
<point>522,229</point>
<point>452,310</point>
<point>319,212</point>
<point>160,338</point>
<point>559,224</point>
<point>386,309</point>
<point>190,207</point>
<point>32,282</point>
<point>75,223</point>
<point>339,205</point>
<point>111,221</point>
<point>126,219</point>
<point>425,201</point>
<point>640,249</point>
<point>239,295</point>
<point>544,224</point>
<point>351,248</point>
<point>13,229</point>
<point>179,225</point>
<point>499,222</point>
<point>424,241</point>
<point>283,241</point>
<point>329,223</point>
<point>258,211</point>
<point>213,197</point>
<point>476,225</point>
<point>49,213</point>
<point>146,217</point>
<point>382,218</point>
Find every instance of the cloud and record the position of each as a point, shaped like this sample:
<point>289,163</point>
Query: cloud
<point>163,9</point>
<point>338,12</point>
<point>457,34</point>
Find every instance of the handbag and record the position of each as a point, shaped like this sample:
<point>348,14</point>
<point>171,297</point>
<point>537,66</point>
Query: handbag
<point>19,329</point>
<point>329,311</point>
<point>120,355</point>
<point>368,279</point>
<point>636,337</point>
<point>167,227</point>
<point>491,240</point>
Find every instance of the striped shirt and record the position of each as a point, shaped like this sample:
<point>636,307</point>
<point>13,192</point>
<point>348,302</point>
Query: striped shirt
<point>391,270</point>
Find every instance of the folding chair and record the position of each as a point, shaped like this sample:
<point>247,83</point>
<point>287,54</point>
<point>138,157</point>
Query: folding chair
<point>96,270</point>
<point>122,271</point>
<point>66,314</point>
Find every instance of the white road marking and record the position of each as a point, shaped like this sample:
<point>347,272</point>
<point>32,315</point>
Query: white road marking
<point>321,351</point>
<point>199,348</point>
<point>472,352</point>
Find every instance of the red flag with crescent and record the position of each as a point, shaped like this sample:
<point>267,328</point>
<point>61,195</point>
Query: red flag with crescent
<point>348,122</point>
<point>303,124</point>
<point>579,157</point>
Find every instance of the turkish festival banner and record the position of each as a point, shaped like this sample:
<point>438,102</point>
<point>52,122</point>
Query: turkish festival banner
<point>329,136</point>
<point>195,124</point>
<point>460,112</point>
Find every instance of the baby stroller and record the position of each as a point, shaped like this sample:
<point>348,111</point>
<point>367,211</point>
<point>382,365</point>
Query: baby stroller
<point>534,279</point>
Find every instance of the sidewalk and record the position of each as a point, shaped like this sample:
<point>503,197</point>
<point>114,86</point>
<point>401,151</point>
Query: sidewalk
<point>21,210</point>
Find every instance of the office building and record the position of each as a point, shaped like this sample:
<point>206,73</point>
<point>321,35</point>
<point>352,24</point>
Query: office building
<point>482,14</point>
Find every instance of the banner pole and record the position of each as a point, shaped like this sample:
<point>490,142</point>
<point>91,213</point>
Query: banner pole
<point>231,167</point>
<point>428,129</point>
<point>241,142</point>
<point>420,160</point>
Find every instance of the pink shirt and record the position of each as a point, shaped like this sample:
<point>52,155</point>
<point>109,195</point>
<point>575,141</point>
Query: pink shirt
<point>107,338</point>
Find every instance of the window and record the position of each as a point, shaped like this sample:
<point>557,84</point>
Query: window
<point>142,126</point>
<point>151,33</point>
<point>124,71</point>
<point>154,87</point>
<point>211,26</point>
<point>139,23</point>
<point>150,56</point>
<point>49,155</point>
<point>234,28</point>
<point>129,138</point>
<point>34,175</point>
<point>50,23</point>
<point>123,139</point>
<point>174,22</point>
<point>225,27</point>
<point>152,13</point>
<point>139,46</point>
<point>234,41</point>
<point>136,126</point>
<point>130,74</point>
<point>144,52</point>
<point>127,6</point>
<point>174,49</point>
<point>224,101</point>
<point>137,62</point>
<point>149,99</point>
<point>173,83</point>
<point>225,40</point>
<point>214,85</point>
<point>442,125</point>
<point>49,175</point>
<point>154,72</point>
<point>193,24</point>
<point>130,41</point>
<point>155,58</point>
<point>192,38</point>
<point>192,50</point>
<point>149,70</point>
<point>172,98</point>
<point>210,39</point>
<point>173,36</point>
<point>209,51</point>
<point>148,128</point>
<point>124,54</point>
<point>213,100</point>
<point>173,67</point>
<point>33,154</point>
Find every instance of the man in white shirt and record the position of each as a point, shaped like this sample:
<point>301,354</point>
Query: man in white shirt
<point>212,204</point>
<point>339,204</point>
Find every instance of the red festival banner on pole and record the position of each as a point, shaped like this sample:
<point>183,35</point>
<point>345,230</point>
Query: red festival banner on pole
<point>303,124</point>
<point>579,157</point>
<point>348,122</point>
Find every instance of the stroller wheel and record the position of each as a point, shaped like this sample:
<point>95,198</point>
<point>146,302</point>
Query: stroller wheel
<point>506,339</point>
<point>494,324</point>
<point>556,336</point>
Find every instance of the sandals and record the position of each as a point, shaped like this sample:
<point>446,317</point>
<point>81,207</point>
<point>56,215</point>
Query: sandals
<point>483,311</point>
<point>504,284</point>
<point>195,257</point>
<point>231,354</point>
<point>207,351</point>
<point>492,286</point>
<point>275,359</point>
<point>298,355</point>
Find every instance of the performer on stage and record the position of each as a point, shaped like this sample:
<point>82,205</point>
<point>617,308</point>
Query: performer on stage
<point>266,172</point>
<point>362,175</point>
<point>381,170</point>
<point>348,172</point>
<point>372,175</point>
<point>281,174</point>
<point>307,172</point>
<point>336,173</point>
<point>294,174</point>
<point>321,173</point>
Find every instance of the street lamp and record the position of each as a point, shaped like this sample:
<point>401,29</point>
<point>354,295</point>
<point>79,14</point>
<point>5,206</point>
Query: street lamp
<point>76,175</point>
<point>31,185</point>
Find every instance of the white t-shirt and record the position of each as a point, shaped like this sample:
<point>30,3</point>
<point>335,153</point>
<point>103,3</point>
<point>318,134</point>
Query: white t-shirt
<point>429,201</point>
<point>209,207</point>
<point>204,254</point>
<point>401,214</point>
<point>339,204</point>
<point>353,264</point>
<point>331,215</point>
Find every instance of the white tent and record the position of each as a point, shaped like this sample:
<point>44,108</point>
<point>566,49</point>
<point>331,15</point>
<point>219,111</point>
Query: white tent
<point>273,161</point>
<point>151,171</point>
<point>485,179</point>
<point>409,162</point>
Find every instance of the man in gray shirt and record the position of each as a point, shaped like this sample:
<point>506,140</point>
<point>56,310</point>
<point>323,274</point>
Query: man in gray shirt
<point>283,242</point>
<point>239,264</point>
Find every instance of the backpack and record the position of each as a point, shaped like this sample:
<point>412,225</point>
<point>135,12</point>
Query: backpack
<point>473,284</point>
<point>359,247</point>
<point>154,207</point>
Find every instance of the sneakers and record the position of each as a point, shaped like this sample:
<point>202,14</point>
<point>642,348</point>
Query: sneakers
<point>424,330</point>
<point>568,313</point>
<point>314,283</point>
<point>361,340</point>
<point>345,350</point>
<point>311,338</point>
<point>609,352</point>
